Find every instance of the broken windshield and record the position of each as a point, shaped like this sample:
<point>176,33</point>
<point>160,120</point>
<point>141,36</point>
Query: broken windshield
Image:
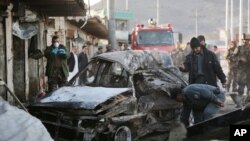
<point>150,37</point>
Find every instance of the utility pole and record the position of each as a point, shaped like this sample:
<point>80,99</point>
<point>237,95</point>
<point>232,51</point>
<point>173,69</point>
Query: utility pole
<point>240,22</point>
<point>126,5</point>
<point>226,24</point>
<point>248,17</point>
<point>157,12</point>
<point>232,21</point>
<point>196,18</point>
<point>196,22</point>
<point>111,22</point>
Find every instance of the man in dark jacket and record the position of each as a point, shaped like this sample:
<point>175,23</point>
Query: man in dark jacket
<point>83,61</point>
<point>73,62</point>
<point>202,65</point>
<point>203,100</point>
<point>57,68</point>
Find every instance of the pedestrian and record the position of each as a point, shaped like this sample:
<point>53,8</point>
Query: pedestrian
<point>109,48</point>
<point>177,55</point>
<point>83,61</point>
<point>126,47</point>
<point>232,60</point>
<point>57,68</point>
<point>73,62</point>
<point>202,65</point>
<point>203,100</point>
<point>216,52</point>
<point>187,49</point>
<point>202,41</point>
<point>99,51</point>
<point>243,76</point>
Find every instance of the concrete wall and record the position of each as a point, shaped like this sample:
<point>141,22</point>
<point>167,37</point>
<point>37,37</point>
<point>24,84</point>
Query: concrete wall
<point>19,67</point>
<point>33,78</point>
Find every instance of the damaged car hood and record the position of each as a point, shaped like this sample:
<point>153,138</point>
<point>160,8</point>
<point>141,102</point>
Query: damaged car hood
<point>133,60</point>
<point>81,96</point>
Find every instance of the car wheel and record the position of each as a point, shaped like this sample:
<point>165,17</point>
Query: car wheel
<point>123,133</point>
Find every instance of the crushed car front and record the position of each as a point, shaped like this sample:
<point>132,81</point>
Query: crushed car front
<point>126,96</point>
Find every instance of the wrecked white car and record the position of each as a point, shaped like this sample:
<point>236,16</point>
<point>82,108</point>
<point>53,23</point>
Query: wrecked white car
<point>18,125</point>
<point>126,96</point>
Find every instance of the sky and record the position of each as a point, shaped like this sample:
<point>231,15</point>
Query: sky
<point>182,16</point>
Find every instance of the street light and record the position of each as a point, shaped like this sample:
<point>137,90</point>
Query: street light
<point>226,24</point>
<point>157,11</point>
<point>126,5</point>
<point>248,17</point>
<point>232,21</point>
<point>196,16</point>
<point>240,22</point>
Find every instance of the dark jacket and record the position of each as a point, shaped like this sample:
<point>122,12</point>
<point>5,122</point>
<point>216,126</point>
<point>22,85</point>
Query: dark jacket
<point>210,66</point>
<point>71,62</point>
<point>82,60</point>
<point>51,60</point>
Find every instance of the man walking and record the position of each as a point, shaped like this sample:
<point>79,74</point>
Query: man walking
<point>232,60</point>
<point>202,65</point>
<point>243,75</point>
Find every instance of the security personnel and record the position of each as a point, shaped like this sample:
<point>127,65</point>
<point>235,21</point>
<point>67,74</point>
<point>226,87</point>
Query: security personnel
<point>57,68</point>
<point>243,64</point>
<point>232,60</point>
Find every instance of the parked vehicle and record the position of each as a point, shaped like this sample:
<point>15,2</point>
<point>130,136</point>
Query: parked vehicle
<point>127,97</point>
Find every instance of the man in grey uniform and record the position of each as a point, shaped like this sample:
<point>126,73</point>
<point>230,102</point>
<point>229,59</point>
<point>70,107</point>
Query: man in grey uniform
<point>203,100</point>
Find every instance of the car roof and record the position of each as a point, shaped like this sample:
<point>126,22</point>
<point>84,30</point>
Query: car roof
<point>133,60</point>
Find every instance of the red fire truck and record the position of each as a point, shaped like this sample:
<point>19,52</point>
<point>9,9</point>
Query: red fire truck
<point>152,37</point>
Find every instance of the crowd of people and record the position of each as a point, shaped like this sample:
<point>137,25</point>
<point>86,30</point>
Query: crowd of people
<point>202,97</point>
<point>63,65</point>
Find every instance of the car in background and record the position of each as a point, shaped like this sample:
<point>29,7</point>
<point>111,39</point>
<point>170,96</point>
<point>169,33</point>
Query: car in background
<point>126,96</point>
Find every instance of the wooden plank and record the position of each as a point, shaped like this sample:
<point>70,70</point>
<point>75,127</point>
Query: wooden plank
<point>41,46</point>
<point>9,53</point>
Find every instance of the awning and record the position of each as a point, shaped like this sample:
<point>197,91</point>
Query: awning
<point>4,2</point>
<point>94,27</point>
<point>52,7</point>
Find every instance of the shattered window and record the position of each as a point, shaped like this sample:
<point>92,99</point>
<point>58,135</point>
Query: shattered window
<point>114,75</point>
<point>88,75</point>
